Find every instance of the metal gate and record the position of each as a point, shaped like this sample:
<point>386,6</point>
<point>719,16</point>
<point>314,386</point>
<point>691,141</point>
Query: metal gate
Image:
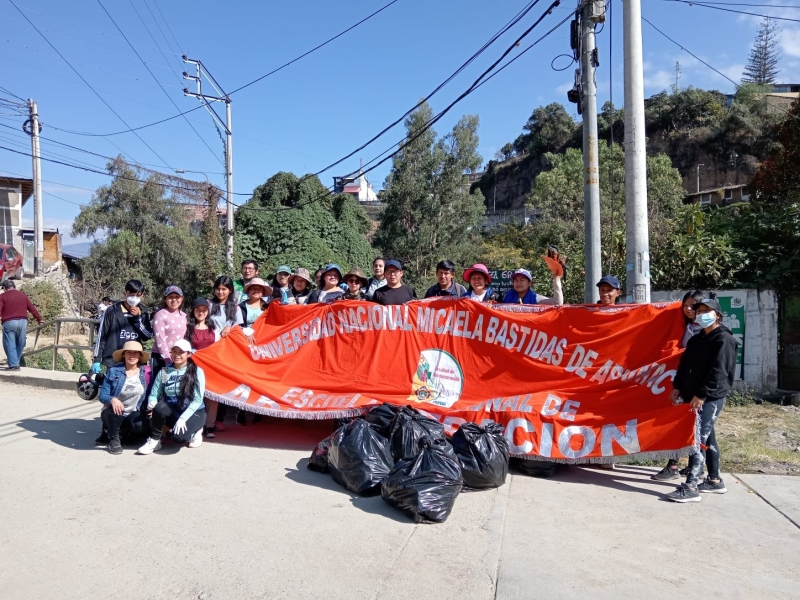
<point>27,253</point>
<point>789,349</point>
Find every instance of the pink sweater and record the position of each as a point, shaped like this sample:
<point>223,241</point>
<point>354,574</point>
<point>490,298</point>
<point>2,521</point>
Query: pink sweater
<point>168,328</point>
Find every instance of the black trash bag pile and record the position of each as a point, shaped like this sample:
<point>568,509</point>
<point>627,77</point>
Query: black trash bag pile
<point>408,428</point>
<point>381,418</point>
<point>359,457</point>
<point>318,461</point>
<point>426,486</point>
<point>483,455</point>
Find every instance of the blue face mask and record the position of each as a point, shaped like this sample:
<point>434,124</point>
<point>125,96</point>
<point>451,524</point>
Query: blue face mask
<point>706,319</point>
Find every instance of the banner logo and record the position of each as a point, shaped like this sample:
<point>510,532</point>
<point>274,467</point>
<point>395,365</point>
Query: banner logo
<point>438,379</point>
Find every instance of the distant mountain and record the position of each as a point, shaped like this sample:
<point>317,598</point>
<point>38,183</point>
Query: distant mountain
<point>80,250</point>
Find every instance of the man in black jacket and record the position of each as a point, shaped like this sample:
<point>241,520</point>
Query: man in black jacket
<point>123,321</point>
<point>704,379</point>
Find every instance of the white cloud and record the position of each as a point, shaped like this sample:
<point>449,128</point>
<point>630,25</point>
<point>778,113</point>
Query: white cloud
<point>563,89</point>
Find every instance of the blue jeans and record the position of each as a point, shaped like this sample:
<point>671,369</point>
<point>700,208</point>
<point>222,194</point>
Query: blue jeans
<point>709,414</point>
<point>14,333</point>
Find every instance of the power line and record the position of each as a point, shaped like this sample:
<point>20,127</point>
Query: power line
<point>731,10</point>
<point>156,78</point>
<point>10,93</point>
<point>152,37</point>
<point>177,45</point>
<point>96,93</point>
<point>758,5</point>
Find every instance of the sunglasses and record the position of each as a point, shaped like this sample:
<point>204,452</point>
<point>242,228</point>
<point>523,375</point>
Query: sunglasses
<point>353,280</point>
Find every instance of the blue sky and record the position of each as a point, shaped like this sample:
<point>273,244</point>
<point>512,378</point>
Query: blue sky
<point>330,102</point>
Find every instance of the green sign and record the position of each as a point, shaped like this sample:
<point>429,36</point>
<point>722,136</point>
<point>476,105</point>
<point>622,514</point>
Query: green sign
<point>733,304</point>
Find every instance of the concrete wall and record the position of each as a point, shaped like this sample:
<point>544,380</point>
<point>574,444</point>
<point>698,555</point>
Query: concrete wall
<point>760,370</point>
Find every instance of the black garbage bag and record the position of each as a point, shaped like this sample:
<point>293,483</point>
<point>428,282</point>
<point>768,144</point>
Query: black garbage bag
<point>408,428</point>
<point>425,487</point>
<point>318,461</point>
<point>483,455</point>
<point>381,418</point>
<point>359,457</point>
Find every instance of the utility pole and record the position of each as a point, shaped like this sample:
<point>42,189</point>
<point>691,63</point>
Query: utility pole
<point>637,245</point>
<point>33,128</point>
<point>207,99</point>
<point>698,176</point>
<point>676,88</point>
<point>590,13</point>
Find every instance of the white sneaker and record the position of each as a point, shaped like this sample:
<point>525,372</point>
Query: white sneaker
<point>197,439</point>
<point>150,446</point>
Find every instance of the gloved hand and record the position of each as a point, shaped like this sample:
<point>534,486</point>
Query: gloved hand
<point>180,427</point>
<point>96,367</point>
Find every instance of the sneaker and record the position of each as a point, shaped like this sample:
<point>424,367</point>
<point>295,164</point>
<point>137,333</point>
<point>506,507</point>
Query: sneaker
<point>684,471</point>
<point>197,439</point>
<point>257,419</point>
<point>102,440</point>
<point>12,368</point>
<point>538,468</point>
<point>606,466</point>
<point>210,432</point>
<point>114,446</point>
<point>219,427</point>
<point>241,418</point>
<point>684,493</point>
<point>712,487</point>
<point>150,446</point>
<point>666,474</point>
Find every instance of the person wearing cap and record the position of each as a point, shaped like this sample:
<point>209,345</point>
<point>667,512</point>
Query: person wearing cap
<point>395,291</point>
<point>176,400</point>
<point>14,309</point>
<point>249,271</point>
<point>704,379</point>
<point>122,394</point>
<point>329,288</point>
<point>258,295</point>
<point>124,321</point>
<point>300,284</point>
<point>522,293</point>
<point>479,278</point>
<point>356,284</point>
<point>200,331</point>
<point>169,325</point>
<point>377,280</point>
<point>280,283</point>
<point>609,290</point>
<point>446,284</point>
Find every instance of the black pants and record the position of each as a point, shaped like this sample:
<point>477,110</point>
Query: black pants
<point>168,414</point>
<point>157,363</point>
<point>134,423</point>
<point>709,413</point>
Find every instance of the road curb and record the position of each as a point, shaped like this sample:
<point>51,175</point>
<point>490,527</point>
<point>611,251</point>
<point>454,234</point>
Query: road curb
<point>40,382</point>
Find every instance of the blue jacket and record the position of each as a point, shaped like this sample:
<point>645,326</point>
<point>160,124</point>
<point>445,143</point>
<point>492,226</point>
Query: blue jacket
<point>115,380</point>
<point>512,297</point>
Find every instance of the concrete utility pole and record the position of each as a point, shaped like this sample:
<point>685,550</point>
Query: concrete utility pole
<point>637,255</point>
<point>591,12</point>
<point>698,176</point>
<point>207,99</point>
<point>32,128</point>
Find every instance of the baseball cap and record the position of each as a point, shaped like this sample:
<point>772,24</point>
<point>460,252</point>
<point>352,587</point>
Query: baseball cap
<point>610,280</point>
<point>183,345</point>
<point>393,263</point>
<point>524,272</point>
<point>202,302</point>
<point>284,269</point>
<point>173,289</point>
<point>711,303</point>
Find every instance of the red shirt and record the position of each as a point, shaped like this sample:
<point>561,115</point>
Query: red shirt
<point>202,339</point>
<point>15,305</point>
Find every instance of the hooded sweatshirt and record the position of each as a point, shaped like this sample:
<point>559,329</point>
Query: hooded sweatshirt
<point>708,365</point>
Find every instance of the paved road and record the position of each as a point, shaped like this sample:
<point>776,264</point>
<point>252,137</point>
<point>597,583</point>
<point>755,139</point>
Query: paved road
<point>242,518</point>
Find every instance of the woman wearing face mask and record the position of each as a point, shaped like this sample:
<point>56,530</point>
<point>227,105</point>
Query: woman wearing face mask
<point>704,379</point>
<point>330,290</point>
<point>122,322</point>
<point>479,289</point>
<point>169,325</point>
<point>690,300</point>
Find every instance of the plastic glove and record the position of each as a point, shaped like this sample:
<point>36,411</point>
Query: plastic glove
<point>96,367</point>
<point>180,427</point>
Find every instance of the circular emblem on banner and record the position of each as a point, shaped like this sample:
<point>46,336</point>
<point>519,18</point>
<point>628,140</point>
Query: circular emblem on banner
<point>438,379</point>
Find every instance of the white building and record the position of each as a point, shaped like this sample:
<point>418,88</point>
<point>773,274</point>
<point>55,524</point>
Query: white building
<point>14,193</point>
<point>359,188</point>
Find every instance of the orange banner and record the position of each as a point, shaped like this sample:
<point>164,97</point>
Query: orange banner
<point>568,383</point>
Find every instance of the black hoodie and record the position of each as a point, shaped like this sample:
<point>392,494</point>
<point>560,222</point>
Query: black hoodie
<point>118,326</point>
<point>708,365</point>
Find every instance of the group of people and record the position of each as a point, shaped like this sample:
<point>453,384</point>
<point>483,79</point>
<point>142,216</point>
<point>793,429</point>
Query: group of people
<point>148,394</point>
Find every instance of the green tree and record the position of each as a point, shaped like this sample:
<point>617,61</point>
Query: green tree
<point>762,65</point>
<point>430,214</point>
<point>506,152</point>
<point>548,129</point>
<point>142,224</point>
<point>292,221</point>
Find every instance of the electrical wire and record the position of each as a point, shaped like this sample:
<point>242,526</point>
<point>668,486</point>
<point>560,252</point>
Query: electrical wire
<point>96,93</point>
<point>177,45</point>
<point>152,37</point>
<point>156,79</point>
<point>12,94</point>
<point>177,56</point>
<point>731,10</point>
<point>757,5</point>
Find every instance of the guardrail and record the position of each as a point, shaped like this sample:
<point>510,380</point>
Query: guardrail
<point>56,345</point>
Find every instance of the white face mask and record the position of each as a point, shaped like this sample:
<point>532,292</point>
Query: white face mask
<point>705,319</point>
<point>133,301</point>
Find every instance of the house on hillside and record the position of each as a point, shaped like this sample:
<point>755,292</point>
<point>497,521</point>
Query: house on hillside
<point>358,187</point>
<point>14,193</point>
<point>51,247</point>
<point>724,196</point>
<point>779,99</point>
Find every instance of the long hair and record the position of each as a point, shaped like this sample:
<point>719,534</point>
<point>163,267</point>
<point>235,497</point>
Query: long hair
<point>230,306</point>
<point>697,295</point>
<point>191,323</point>
<point>189,380</point>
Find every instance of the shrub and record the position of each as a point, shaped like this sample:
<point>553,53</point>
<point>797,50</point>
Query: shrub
<point>743,397</point>
<point>79,362</point>
<point>44,360</point>
<point>46,298</point>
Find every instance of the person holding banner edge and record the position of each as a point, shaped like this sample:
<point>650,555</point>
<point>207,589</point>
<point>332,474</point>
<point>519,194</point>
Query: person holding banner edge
<point>704,379</point>
<point>523,294</point>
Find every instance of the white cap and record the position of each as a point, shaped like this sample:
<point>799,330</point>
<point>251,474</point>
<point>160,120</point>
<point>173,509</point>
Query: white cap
<point>183,345</point>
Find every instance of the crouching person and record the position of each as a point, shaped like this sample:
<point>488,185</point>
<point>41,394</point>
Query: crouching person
<point>123,393</point>
<point>176,401</point>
